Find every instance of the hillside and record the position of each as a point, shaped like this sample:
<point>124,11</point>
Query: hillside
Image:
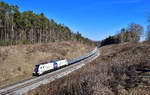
<point>122,69</point>
<point>17,62</point>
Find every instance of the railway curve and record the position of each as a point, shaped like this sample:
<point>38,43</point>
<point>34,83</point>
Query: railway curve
<point>34,82</point>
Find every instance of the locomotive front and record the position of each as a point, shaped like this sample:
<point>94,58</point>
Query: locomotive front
<point>36,69</point>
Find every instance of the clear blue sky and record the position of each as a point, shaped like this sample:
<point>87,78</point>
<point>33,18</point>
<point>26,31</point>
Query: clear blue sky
<point>95,19</point>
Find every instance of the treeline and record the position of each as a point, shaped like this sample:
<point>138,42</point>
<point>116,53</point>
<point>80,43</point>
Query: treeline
<point>130,34</point>
<point>148,30</point>
<point>28,28</point>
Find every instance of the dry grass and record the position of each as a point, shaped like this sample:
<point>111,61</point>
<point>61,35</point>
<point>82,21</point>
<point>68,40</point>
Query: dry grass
<point>17,62</point>
<point>116,72</point>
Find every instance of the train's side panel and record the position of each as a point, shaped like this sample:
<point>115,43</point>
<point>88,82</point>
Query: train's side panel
<point>50,66</point>
<point>40,71</point>
<point>45,67</point>
<point>62,63</point>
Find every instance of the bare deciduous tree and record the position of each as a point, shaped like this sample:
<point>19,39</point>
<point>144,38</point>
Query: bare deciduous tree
<point>148,30</point>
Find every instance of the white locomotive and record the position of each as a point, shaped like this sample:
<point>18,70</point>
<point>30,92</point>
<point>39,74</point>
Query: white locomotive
<point>49,66</point>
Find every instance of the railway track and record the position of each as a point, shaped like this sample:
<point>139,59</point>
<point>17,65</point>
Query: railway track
<point>34,82</point>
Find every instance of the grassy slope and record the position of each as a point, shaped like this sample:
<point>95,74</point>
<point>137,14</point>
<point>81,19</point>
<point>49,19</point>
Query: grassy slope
<point>116,72</point>
<point>17,62</point>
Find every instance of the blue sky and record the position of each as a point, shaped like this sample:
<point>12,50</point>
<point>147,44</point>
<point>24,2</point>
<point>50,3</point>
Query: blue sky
<point>95,19</point>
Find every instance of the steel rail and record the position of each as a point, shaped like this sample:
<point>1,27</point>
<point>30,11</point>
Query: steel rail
<point>37,81</point>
